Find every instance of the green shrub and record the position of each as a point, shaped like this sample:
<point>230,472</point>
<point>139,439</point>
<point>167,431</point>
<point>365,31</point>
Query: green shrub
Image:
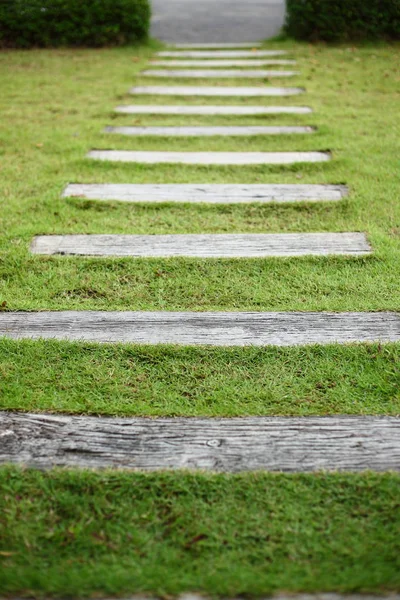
<point>43,23</point>
<point>343,20</point>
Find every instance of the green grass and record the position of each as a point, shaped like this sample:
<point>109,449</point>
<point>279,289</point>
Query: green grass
<point>54,376</point>
<point>70,534</point>
<point>55,105</point>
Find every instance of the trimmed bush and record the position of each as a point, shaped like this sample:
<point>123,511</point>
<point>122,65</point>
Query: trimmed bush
<point>51,23</point>
<point>343,20</point>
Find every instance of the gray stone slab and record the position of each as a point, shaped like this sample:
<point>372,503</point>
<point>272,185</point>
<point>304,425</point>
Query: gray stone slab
<point>258,62</point>
<point>277,444</point>
<point>212,110</point>
<point>204,328</point>
<point>217,73</point>
<point>207,193</point>
<point>218,45</point>
<point>245,130</point>
<point>210,158</point>
<point>192,90</point>
<point>220,53</point>
<point>204,245</point>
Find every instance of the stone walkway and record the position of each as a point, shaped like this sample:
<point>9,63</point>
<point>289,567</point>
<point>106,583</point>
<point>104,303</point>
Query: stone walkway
<point>216,20</point>
<point>278,444</point>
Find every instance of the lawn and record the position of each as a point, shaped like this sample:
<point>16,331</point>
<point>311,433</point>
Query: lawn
<point>65,533</point>
<point>55,105</point>
<point>72,534</point>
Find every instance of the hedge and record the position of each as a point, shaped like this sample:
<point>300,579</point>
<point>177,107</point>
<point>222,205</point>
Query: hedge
<point>50,23</point>
<point>343,20</point>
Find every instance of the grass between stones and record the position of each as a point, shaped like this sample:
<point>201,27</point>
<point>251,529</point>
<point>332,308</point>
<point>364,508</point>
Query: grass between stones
<point>66,533</point>
<point>72,534</point>
<point>55,376</point>
<point>55,106</point>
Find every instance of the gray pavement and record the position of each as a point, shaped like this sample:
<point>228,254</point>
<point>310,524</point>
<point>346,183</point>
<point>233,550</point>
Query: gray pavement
<point>216,20</point>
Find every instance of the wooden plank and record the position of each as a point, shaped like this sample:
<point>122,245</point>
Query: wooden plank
<point>204,328</point>
<point>274,444</point>
<point>222,91</point>
<point>218,73</point>
<point>212,110</point>
<point>246,130</point>
<point>207,193</point>
<point>224,245</point>
<point>220,45</point>
<point>220,53</point>
<point>209,158</point>
<point>257,62</point>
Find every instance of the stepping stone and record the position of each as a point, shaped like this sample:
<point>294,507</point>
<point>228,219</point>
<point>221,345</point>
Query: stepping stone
<point>210,131</point>
<point>207,193</point>
<point>278,444</point>
<point>212,110</point>
<point>221,63</point>
<point>210,158</point>
<point>220,53</point>
<point>204,328</point>
<point>215,91</point>
<point>225,45</point>
<point>217,73</point>
<point>204,245</point>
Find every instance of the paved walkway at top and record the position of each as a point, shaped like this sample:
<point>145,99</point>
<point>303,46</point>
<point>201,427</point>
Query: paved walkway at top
<point>216,20</point>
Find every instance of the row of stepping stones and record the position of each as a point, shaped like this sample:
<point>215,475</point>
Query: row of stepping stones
<point>331,443</point>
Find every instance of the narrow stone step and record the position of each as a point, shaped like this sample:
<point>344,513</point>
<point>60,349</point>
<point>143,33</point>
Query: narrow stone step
<point>210,158</point>
<point>214,91</point>
<point>212,110</point>
<point>211,131</point>
<point>218,73</point>
<point>258,62</point>
<point>220,53</point>
<point>204,245</point>
<point>204,328</point>
<point>281,444</point>
<point>207,193</point>
<point>220,45</point>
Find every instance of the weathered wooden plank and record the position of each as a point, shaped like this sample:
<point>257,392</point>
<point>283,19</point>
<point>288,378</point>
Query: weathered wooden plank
<point>224,245</point>
<point>220,45</point>
<point>222,91</point>
<point>218,73</point>
<point>210,158</point>
<point>203,328</point>
<point>208,193</point>
<point>220,53</point>
<point>275,444</point>
<point>212,110</point>
<point>209,63</point>
<point>180,131</point>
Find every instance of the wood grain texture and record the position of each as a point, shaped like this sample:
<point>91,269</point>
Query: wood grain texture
<point>276,444</point>
<point>257,62</point>
<point>203,328</point>
<point>218,73</point>
<point>224,245</point>
<point>220,45</point>
<point>206,193</point>
<point>212,110</point>
<point>220,53</point>
<point>216,91</point>
<point>246,130</point>
<point>210,158</point>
